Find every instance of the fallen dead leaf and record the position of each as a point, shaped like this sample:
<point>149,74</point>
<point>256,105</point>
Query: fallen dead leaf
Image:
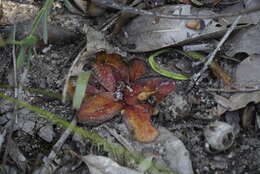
<point>247,76</point>
<point>144,33</point>
<point>245,41</point>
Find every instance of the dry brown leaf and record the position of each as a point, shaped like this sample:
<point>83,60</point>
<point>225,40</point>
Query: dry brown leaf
<point>220,73</point>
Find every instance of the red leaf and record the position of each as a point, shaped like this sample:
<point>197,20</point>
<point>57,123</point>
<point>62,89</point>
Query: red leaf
<point>164,89</point>
<point>144,88</point>
<point>162,86</point>
<point>93,90</point>
<point>131,94</point>
<point>137,118</point>
<point>137,69</point>
<point>105,76</point>
<point>117,64</point>
<point>99,108</point>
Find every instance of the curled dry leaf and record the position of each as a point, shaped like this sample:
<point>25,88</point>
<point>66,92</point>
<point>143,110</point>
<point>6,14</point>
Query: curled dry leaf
<point>220,73</point>
<point>102,104</point>
<point>137,118</point>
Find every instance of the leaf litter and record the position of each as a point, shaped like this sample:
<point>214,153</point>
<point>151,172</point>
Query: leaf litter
<point>123,84</point>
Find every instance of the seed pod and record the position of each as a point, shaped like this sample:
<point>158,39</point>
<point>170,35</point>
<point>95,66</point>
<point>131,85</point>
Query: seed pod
<point>219,135</point>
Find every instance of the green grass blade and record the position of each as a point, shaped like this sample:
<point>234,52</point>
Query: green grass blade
<point>56,120</point>
<point>30,40</point>
<point>80,89</point>
<point>45,25</point>
<point>84,133</point>
<point>163,71</point>
<point>21,58</point>
<point>45,29</point>
<point>34,90</point>
<point>195,55</point>
<point>37,20</point>
<point>39,16</point>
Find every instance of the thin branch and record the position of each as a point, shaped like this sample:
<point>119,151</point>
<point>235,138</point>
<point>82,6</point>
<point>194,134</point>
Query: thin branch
<point>236,89</point>
<point>115,17</point>
<point>2,138</point>
<point>15,76</point>
<point>196,76</point>
<point>231,90</point>
<point>120,138</point>
<point>128,9</point>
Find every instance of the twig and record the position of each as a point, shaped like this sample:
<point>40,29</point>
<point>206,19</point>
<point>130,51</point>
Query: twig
<point>230,58</point>
<point>114,18</point>
<point>15,76</point>
<point>119,138</point>
<point>195,77</point>
<point>110,22</point>
<point>128,9</point>
<point>57,147</point>
<point>253,89</point>
<point>199,47</point>
<point>2,138</point>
